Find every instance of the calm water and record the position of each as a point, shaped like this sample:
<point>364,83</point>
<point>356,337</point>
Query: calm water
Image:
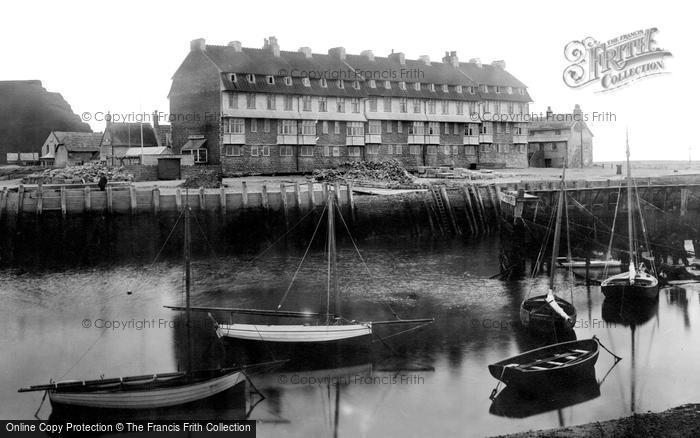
<point>425,383</point>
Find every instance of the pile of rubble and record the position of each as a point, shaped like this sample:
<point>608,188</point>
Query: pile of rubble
<point>85,174</point>
<point>390,173</point>
<point>203,177</point>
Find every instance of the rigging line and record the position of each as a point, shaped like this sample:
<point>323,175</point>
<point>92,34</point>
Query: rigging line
<point>199,225</point>
<point>357,250</point>
<point>84,354</point>
<point>284,297</point>
<point>608,256</point>
<point>644,230</point>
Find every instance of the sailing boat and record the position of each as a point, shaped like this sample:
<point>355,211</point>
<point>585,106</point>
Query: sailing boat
<point>322,327</point>
<point>636,283</point>
<point>151,391</point>
<point>548,313</point>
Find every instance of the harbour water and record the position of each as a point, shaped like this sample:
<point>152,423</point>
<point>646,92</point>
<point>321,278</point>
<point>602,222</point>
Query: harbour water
<point>81,324</point>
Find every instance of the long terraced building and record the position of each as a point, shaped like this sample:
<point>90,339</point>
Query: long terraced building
<point>264,110</point>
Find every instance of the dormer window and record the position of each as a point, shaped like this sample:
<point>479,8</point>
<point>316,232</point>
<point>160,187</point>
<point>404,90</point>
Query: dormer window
<point>305,80</point>
<point>288,81</point>
<point>387,85</point>
<point>356,85</point>
<point>432,87</point>
<point>485,88</point>
<point>341,83</point>
<point>251,78</point>
<point>509,90</point>
<point>458,89</point>
<point>521,91</point>
<point>445,88</point>
<point>402,85</point>
<point>472,90</point>
<point>416,86</point>
<point>233,77</point>
<point>498,89</point>
<point>324,83</point>
<point>271,80</point>
<point>372,83</point>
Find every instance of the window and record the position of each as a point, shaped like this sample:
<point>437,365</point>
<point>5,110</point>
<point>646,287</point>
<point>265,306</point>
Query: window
<point>324,83</point>
<point>355,103</point>
<point>416,105</point>
<point>433,128</point>
<point>233,77</point>
<point>336,128</point>
<point>502,148</point>
<point>375,127</point>
<point>521,91</point>
<point>388,126</point>
<point>336,151</point>
<point>356,85</point>
<point>387,85</point>
<point>373,149</point>
<point>306,101</point>
<point>340,104</point>
<point>373,103</point>
<point>498,89</point>
<point>496,107</point>
<point>288,103</point>
<point>253,125</point>
<point>416,128</point>
<point>469,129</point>
<point>455,128</point>
<point>414,149</point>
<point>402,85</point>
<point>286,151</point>
<point>250,100</point>
<point>557,132</point>
<point>254,151</point>
<point>200,155</point>
<point>324,127</point>
<point>355,129</point>
<point>455,150</point>
<point>416,86</point>
<point>353,151</point>
<point>288,81</point>
<point>431,107</point>
<point>372,83</point>
<point>287,127</point>
<point>472,90</point>
<point>308,127</point>
<point>387,104</point>
<point>498,127</point>
<point>322,104</point>
<point>445,88</point>
<point>306,81</point>
<point>271,101</point>
<point>485,128</point>
<point>233,150</point>
<point>233,100</point>
<point>522,148</point>
<point>432,87</point>
<point>403,105</point>
<point>446,150</point>
<point>341,83</point>
<point>399,127</point>
<point>445,106</point>
<point>458,89</point>
<point>251,78</point>
<point>470,150</point>
<point>507,126</point>
<point>447,128</point>
<point>306,151</point>
<point>398,149</point>
<point>234,126</point>
<point>509,90</point>
<point>460,108</point>
<point>472,107</point>
<point>270,80</point>
<point>326,151</point>
<point>266,125</point>
<point>510,107</point>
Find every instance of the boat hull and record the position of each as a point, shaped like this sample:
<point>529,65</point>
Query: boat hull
<point>544,321</point>
<point>618,287</point>
<point>531,380</point>
<point>153,398</point>
<point>596,269</point>
<point>294,333</point>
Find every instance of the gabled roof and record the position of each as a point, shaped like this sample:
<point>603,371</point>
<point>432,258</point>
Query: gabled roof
<point>79,141</point>
<point>124,134</point>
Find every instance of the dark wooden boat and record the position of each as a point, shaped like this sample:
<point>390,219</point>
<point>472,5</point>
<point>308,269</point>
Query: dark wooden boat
<point>547,368</point>
<point>539,317</point>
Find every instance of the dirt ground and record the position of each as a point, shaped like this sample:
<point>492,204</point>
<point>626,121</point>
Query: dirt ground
<point>683,421</point>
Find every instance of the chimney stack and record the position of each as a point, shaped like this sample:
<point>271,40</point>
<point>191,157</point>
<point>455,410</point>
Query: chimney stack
<point>338,52</point>
<point>425,59</point>
<point>400,57</point>
<point>367,54</point>
<point>476,61</point>
<point>499,64</point>
<point>236,46</point>
<point>272,45</point>
<point>200,44</point>
<point>451,58</point>
<point>550,114</point>
<point>306,51</point>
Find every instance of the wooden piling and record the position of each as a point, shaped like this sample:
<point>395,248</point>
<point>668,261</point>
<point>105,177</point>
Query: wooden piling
<point>336,188</point>
<point>87,199</point>
<point>324,188</point>
<point>64,203</point>
<point>480,209</point>
<point>222,200</point>
<point>265,201</point>
<point>430,216</point>
<point>202,199</point>
<point>20,199</point>
<point>684,201</point>
<point>312,201</point>
<point>244,195</point>
<point>468,211</point>
<point>285,212</point>
<point>132,199</point>
<point>178,199</point>
<point>156,200</point>
<point>3,201</point>
<point>109,199</point>
<point>351,203</point>
<point>297,198</point>
<point>39,199</point>
<point>450,212</point>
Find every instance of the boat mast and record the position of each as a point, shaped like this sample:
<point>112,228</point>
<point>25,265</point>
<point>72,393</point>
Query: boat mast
<point>188,311</point>
<point>332,256</point>
<point>629,201</point>
<point>557,230</point>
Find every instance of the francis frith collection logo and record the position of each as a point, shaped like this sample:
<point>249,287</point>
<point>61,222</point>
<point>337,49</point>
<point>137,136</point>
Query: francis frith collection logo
<point>614,63</point>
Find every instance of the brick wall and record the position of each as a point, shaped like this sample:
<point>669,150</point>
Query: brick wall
<point>143,173</point>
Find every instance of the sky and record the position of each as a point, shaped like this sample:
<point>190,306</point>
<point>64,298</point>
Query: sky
<point>120,56</point>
